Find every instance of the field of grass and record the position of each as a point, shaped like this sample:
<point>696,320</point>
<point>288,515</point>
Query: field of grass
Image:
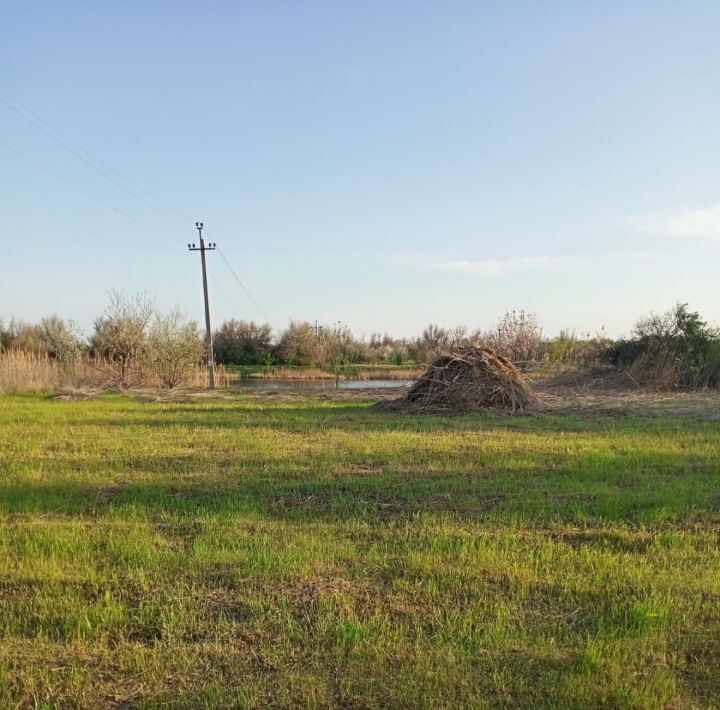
<point>249,552</point>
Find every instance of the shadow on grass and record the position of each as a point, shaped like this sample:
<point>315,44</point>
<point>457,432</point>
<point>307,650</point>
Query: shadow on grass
<point>531,481</point>
<point>590,486</point>
<point>360,417</point>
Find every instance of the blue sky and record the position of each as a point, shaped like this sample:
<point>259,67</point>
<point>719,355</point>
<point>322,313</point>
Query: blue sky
<point>383,164</point>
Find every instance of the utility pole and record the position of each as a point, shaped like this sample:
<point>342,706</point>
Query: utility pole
<point>208,332</point>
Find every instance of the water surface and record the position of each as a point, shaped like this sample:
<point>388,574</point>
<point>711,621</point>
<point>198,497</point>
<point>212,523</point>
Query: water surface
<point>258,384</point>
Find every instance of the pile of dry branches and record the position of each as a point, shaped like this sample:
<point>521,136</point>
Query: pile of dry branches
<point>469,380</point>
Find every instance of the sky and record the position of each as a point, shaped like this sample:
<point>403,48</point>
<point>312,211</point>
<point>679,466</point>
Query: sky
<point>384,164</point>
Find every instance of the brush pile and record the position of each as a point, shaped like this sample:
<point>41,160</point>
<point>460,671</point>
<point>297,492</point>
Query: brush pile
<point>468,380</point>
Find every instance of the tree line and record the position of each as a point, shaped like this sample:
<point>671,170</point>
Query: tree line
<point>131,330</point>
<point>301,343</point>
<point>132,336</point>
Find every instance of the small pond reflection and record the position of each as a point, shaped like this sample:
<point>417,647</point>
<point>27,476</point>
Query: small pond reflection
<point>258,384</point>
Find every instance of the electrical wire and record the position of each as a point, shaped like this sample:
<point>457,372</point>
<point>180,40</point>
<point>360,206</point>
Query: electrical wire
<point>68,147</point>
<point>112,207</point>
<point>242,285</point>
<point>80,189</point>
<point>71,145</point>
<point>91,155</point>
<point>224,293</point>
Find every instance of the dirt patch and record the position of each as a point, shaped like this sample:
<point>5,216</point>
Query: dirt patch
<point>361,470</point>
<point>487,503</point>
<point>585,395</point>
<point>80,393</point>
<point>625,401</point>
<point>108,494</point>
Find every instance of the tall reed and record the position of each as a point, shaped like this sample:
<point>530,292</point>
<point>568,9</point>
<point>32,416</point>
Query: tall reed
<point>23,371</point>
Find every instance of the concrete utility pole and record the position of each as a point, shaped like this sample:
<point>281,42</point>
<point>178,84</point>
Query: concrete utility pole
<point>208,332</point>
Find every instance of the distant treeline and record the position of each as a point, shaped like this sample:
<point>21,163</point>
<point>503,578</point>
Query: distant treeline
<point>130,323</point>
<point>677,348</point>
<point>301,343</point>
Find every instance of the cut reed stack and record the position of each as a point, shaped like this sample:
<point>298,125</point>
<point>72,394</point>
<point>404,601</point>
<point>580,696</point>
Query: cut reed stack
<point>469,380</point>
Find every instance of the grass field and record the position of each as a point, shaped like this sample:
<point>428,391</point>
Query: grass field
<point>309,553</point>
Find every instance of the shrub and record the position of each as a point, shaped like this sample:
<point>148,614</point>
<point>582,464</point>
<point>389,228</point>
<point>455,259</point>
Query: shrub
<point>244,343</point>
<point>120,332</point>
<point>675,349</point>
<point>24,336</point>
<point>57,338</point>
<point>397,356</point>
<point>298,344</point>
<point>62,339</point>
<point>383,348</point>
<point>172,348</point>
<point>136,344</point>
<point>336,347</point>
<point>581,350</point>
<point>433,341</point>
<point>518,337</point>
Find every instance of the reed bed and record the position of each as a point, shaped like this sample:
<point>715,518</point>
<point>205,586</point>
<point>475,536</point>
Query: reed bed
<point>23,371</point>
<point>668,369</point>
<point>292,373</point>
<point>389,373</point>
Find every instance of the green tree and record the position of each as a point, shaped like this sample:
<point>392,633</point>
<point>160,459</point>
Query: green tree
<point>241,342</point>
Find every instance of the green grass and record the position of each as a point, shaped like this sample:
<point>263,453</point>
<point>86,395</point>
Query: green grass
<point>245,553</point>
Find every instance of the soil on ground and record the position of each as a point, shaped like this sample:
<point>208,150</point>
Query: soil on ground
<point>561,397</point>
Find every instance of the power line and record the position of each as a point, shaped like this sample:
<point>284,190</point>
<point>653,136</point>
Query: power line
<point>231,301</point>
<point>94,197</point>
<point>242,285</point>
<point>66,144</point>
<point>102,202</point>
<point>117,210</point>
<point>90,154</point>
<point>70,145</point>
<point>74,186</point>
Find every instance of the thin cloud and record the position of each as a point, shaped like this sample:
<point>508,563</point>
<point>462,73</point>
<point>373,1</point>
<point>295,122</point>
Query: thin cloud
<point>695,224</point>
<point>483,267</point>
<point>494,267</point>
<point>641,255</point>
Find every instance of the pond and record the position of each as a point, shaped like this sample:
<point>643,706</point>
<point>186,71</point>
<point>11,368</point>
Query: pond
<point>258,384</point>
